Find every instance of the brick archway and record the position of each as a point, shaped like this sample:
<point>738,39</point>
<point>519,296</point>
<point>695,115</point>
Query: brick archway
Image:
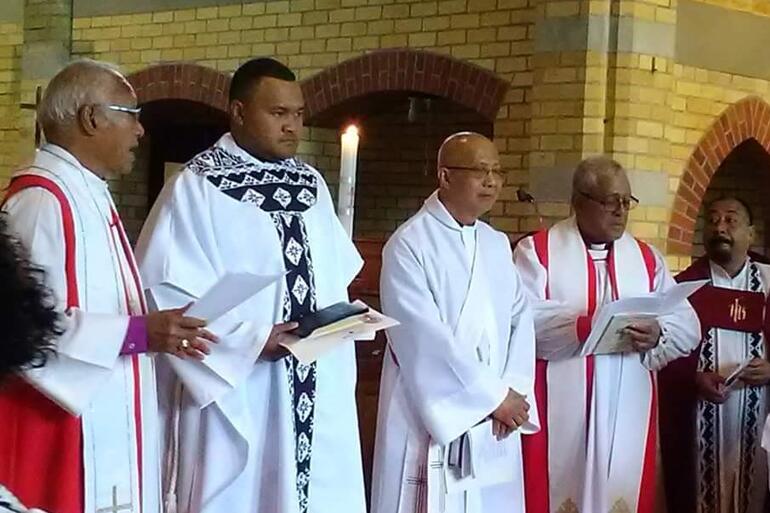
<point>405,70</point>
<point>747,119</point>
<point>182,81</point>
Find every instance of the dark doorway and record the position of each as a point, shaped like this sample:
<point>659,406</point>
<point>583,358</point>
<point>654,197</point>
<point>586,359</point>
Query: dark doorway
<point>745,174</point>
<point>176,131</point>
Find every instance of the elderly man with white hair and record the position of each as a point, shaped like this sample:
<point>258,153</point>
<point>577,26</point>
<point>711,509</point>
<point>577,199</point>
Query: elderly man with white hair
<point>80,434</point>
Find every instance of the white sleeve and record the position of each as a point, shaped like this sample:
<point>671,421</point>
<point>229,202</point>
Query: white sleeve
<point>519,370</point>
<point>555,323</point>
<point>451,390</point>
<point>174,255</point>
<point>680,327</point>
<point>90,346</point>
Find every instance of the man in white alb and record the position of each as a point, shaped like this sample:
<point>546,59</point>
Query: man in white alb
<point>464,352</point>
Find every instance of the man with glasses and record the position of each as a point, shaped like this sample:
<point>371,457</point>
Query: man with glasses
<point>80,433</point>
<point>596,451</point>
<point>463,356</point>
<point>711,429</point>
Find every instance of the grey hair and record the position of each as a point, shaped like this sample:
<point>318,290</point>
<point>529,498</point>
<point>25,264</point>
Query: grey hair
<point>82,82</point>
<point>589,170</point>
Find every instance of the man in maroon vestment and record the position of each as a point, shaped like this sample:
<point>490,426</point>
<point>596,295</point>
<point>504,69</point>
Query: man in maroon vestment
<point>714,402</point>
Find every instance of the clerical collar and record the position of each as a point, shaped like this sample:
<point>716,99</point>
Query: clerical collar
<point>440,212</point>
<point>599,247</point>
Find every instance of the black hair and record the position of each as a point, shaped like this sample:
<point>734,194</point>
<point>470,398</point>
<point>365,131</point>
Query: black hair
<point>27,313</point>
<point>736,199</point>
<point>249,74</point>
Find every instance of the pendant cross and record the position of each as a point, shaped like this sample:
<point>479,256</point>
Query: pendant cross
<point>115,506</point>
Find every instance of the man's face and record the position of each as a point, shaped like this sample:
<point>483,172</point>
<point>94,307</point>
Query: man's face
<point>269,121</point>
<point>118,138</point>
<point>473,178</point>
<point>727,231</point>
<point>602,211</point>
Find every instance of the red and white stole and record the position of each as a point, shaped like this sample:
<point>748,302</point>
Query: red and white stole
<point>597,413</point>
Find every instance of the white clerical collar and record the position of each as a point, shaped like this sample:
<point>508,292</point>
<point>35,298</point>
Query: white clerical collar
<point>59,153</point>
<point>439,211</point>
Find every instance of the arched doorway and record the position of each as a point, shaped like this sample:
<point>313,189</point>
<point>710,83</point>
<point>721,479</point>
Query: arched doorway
<point>748,119</point>
<point>184,108</point>
<point>745,173</point>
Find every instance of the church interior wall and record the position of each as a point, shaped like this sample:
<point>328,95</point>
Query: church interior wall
<point>645,106</point>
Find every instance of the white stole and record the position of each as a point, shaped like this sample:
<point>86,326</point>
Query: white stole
<point>591,423</point>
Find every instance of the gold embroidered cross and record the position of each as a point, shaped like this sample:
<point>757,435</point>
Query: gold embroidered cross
<point>115,506</point>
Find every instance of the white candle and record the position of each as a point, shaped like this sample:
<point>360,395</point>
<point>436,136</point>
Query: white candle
<point>347,193</point>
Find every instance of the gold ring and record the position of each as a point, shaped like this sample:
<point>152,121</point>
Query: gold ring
<point>185,343</point>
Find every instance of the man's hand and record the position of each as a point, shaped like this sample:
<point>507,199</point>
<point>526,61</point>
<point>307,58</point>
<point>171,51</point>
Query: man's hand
<point>169,331</point>
<point>710,386</point>
<point>511,414</point>
<point>280,333</point>
<point>756,373</point>
<point>644,334</point>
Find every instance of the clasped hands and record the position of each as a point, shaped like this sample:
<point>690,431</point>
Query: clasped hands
<point>510,415</point>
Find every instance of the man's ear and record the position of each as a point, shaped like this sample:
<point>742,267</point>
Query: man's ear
<point>443,177</point>
<point>87,119</point>
<point>236,112</point>
<point>752,234</point>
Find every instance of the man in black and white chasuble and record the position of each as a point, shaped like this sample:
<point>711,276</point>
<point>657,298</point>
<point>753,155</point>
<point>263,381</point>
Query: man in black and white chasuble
<point>280,437</point>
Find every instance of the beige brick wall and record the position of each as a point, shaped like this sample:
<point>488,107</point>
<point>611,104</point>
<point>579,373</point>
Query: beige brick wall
<point>310,36</point>
<point>761,7</point>
<point>655,109</point>
<point>11,38</point>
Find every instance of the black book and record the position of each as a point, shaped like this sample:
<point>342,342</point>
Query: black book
<point>327,316</point>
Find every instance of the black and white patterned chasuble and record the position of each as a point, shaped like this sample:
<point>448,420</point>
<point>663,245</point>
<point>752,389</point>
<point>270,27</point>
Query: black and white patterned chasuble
<point>285,190</point>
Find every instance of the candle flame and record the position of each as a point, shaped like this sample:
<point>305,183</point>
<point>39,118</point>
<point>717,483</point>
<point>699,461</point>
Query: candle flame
<point>351,130</point>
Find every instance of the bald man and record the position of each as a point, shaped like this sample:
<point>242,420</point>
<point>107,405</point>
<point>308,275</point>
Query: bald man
<point>460,367</point>
<point>596,451</point>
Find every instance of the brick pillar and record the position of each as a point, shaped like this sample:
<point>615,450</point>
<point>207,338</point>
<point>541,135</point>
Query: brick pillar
<point>11,39</point>
<point>602,78</point>
<point>46,48</point>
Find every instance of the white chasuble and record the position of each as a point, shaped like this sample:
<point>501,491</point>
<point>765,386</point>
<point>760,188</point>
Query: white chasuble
<point>731,468</point>
<point>64,215</point>
<point>466,337</point>
<point>276,437</point>
<point>596,451</point>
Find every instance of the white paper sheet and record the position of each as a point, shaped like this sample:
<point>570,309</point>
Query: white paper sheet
<point>230,291</point>
<point>732,379</point>
<point>239,344</point>
<point>605,337</point>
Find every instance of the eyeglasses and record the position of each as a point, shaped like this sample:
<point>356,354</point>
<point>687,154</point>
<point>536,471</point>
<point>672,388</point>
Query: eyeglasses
<point>480,173</point>
<point>134,111</point>
<point>614,202</point>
